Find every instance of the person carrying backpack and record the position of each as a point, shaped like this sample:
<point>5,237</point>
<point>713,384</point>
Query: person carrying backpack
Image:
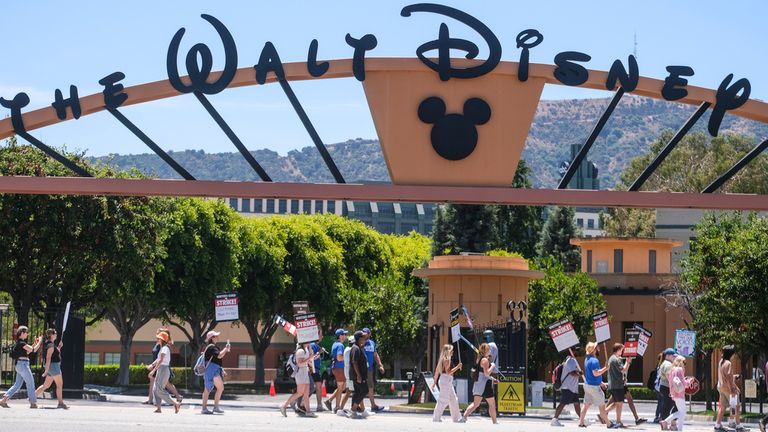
<point>567,376</point>
<point>302,376</point>
<point>20,352</point>
<point>214,372</point>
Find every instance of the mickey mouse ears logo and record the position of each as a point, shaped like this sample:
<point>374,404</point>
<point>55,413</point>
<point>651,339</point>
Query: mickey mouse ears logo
<point>454,136</point>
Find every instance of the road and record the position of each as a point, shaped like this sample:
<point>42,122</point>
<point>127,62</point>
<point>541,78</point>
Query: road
<point>126,414</point>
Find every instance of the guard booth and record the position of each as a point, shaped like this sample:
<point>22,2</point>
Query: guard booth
<point>494,291</point>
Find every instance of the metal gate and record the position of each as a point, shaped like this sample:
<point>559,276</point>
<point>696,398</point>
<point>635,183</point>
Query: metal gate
<point>9,325</point>
<point>511,337</point>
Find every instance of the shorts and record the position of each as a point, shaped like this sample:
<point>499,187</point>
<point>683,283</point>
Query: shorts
<point>316,377</point>
<point>725,397</point>
<point>487,390</point>
<point>361,391</point>
<point>54,369</point>
<point>302,376</point>
<point>568,397</point>
<point>338,373</point>
<point>371,377</point>
<point>593,395</point>
<point>212,371</point>
<point>618,395</point>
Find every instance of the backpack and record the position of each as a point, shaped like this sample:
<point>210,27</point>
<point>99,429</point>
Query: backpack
<point>557,376</point>
<point>200,364</point>
<point>291,367</point>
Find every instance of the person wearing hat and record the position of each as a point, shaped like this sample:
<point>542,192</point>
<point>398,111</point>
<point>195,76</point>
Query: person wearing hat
<point>337,369</point>
<point>593,385</point>
<point>214,372</point>
<point>162,369</point>
<point>170,387</point>
<point>358,372</point>
<point>372,356</point>
<point>666,366</point>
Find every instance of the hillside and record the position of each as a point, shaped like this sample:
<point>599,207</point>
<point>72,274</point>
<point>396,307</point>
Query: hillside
<point>636,122</point>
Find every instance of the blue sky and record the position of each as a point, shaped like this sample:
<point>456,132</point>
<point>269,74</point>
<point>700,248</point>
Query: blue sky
<point>52,44</point>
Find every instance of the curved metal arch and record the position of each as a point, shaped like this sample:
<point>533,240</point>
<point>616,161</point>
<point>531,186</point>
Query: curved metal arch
<point>141,93</point>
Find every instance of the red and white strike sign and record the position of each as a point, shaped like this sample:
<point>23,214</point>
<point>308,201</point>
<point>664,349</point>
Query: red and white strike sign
<point>692,385</point>
<point>226,307</point>
<point>563,335</point>
<point>306,328</point>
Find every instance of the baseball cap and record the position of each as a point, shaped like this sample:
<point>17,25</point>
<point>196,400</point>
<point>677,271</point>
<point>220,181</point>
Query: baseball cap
<point>340,332</point>
<point>358,334</point>
<point>366,330</point>
<point>669,351</point>
<point>211,334</point>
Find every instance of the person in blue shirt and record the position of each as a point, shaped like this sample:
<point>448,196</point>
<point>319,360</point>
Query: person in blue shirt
<point>337,369</point>
<point>373,359</point>
<point>317,350</point>
<point>594,386</point>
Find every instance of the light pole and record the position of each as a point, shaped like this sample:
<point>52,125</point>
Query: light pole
<point>3,308</point>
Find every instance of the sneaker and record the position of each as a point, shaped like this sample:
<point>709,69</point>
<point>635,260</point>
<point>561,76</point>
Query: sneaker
<point>218,411</point>
<point>462,420</point>
<point>732,424</point>
<point>62,405</point>
<point>206,411</point>
<point>640,421</point>
<point>328,404</point>
<point>365,414</point>
<point>179,398</point>
<point>719,428</point>
<point>378,408</point>
<point>610,424</point>
<point>353,415</point>
<point>583,425</point>
<point>310,414</point>
<point>741,427</point>
<point>282,411</point>
<point>555,422</point>
<point>33,406</point>
<point>341,413</point>
<point>147,402</point>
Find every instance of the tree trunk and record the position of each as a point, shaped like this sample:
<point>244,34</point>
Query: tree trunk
<point>123,377</point>
<point>259,378</point>
<point>22,313</point>
<point>194,349</point>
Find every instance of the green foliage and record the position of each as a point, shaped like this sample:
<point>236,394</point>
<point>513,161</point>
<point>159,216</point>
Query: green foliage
<point>503,253</point>
<point>559,295</point>
<point>107,375</point>
<point>727,268</point>
<point>519,226</point>
<point>556,236</point>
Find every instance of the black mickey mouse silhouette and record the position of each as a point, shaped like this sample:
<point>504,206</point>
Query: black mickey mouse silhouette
<point>454,136</point>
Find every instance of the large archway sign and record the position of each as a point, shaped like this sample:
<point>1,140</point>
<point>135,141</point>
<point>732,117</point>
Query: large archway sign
<point>451,130</point>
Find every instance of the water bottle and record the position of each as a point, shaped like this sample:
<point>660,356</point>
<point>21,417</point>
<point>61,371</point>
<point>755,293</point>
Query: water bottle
<point>228,345</point>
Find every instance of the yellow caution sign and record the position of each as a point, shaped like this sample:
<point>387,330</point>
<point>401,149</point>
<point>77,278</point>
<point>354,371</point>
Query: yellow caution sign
<point>512,394</point>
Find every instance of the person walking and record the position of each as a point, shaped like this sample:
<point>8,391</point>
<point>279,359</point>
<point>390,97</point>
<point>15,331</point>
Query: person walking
<point>444,378</point>
<point>372,355</point>
<point>654,383</point>
<point>617,369</point>
<point>350,383</point>
<point>669,355</point>
<point>593,385</point>
<point>676,377</point>
<point>52,371</point>
<point>151,375</point>
<point>21,351</point>
<point>483,387</point>
<point>630,402</point>
<point>303,357</point>
<point>358,373</point>
<point>729,391</point>
<point>214,372</point>
<point>315,352</point>
<point>569,387</point>
<point>161,368</point>
<point>337,369</point>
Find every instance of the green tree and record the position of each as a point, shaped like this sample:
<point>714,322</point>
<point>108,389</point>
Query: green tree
<point>470,228</point>
<point>131,256</point>
<point>48,255</point>
<point>559,295</point>
<point>202,251</point>
<point>519,226</point>
<point>442,239</point>
<point>312,269</point>
<point>555,240</point>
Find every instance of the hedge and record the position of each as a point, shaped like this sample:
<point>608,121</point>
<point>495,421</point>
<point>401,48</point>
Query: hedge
<point>641,393</point>
<point>107,374</point>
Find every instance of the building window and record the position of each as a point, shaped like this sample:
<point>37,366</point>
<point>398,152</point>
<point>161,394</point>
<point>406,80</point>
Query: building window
<point>408,209</point>
<point>387,227</point>
<point>92,358</point>
<point>590,223</point>
<point>318,206</point>
<point>282,207</point>
<point>142,359</point>
<point>111,358</point>
<point>233,203</point>
<point>257,205</point>
<point>589,261</point>
<point>246,361</point>
<point>580,222</point>
<point>602,266</point>
<point>271,206</point>
<point>332,207</point>
<point>618,260</point>
<point>306,207</point>
<point>651,261</point>
<point>246,205</point>
<point>386,208</point>
<point>295,206</point>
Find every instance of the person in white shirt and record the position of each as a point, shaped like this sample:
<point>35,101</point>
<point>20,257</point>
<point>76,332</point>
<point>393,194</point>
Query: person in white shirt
<point>162,369</point>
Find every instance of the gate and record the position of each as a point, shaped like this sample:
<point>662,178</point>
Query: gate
<point>511,337</point>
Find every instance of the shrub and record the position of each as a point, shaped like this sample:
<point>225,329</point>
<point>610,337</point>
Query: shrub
<point>107,375</point>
